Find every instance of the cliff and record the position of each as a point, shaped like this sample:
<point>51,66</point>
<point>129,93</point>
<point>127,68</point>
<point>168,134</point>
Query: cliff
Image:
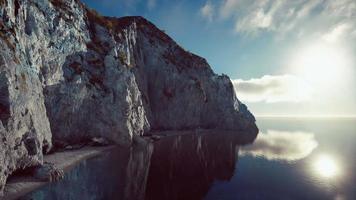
<point>69,74</point>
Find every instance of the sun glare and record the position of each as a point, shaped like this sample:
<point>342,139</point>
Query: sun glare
<point>322,64</point>
<point>326,166</point>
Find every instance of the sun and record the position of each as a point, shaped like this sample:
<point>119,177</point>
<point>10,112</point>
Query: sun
<point>322,64</point>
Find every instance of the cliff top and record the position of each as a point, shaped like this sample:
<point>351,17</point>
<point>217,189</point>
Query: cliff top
<point>117,24</point>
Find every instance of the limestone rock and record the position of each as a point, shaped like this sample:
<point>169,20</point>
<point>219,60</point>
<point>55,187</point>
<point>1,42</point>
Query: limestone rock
<point>69,74</point>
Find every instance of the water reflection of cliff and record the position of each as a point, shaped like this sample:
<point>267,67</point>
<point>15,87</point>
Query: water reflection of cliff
<point>120,174</point>
<point>178,167</point>
<point>184,167</point>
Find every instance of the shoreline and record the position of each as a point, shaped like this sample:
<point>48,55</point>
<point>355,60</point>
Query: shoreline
<point>65,160</point>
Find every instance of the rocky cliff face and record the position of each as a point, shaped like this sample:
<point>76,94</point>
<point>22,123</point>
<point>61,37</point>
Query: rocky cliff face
<point>67,73</point>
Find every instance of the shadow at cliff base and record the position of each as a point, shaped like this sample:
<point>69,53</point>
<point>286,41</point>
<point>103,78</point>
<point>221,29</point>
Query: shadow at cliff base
<point>117,174</point>
<point>185,166</point>
<point>180,166</point>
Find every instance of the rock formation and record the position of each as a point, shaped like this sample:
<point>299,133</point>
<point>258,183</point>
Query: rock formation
<point>69,74</point>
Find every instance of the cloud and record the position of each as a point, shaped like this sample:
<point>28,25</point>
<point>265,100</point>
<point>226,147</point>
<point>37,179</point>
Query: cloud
<point>298,16</point>
<point>207,11</point>
<point>337,33</point>
<point>282,88</point>
<point>340,8</point>
<point>282,145</point>
<point>307,7</point>
<point>228,6</point>
<point>284,16</point>
<point>253,22</point>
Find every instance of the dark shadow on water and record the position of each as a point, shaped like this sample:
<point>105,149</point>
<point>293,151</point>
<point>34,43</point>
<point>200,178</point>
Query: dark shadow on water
<point>177,167</point>
<point>120,174</point>
<point>184,167</point>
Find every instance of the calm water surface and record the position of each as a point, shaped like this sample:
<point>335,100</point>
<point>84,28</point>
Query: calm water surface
<point>289,159</point>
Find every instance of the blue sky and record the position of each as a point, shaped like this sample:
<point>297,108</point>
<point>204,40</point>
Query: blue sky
<point>300,54</point>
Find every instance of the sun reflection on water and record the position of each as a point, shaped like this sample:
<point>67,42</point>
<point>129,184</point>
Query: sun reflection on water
<point>327,166</point>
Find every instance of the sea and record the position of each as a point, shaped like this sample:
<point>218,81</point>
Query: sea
<point>291,158</point>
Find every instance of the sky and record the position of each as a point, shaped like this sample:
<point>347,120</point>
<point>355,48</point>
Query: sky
<point>284,57</point>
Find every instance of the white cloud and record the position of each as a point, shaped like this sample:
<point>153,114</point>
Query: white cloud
<point>207,11</point>
<point>307,8</point>
<point>340,8</point>
<point>253,22</point>
<point>282,145</point>
<point>228,7</point>
<point>338,32</point>
<point>297,16</point>
<point>282,88</point>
